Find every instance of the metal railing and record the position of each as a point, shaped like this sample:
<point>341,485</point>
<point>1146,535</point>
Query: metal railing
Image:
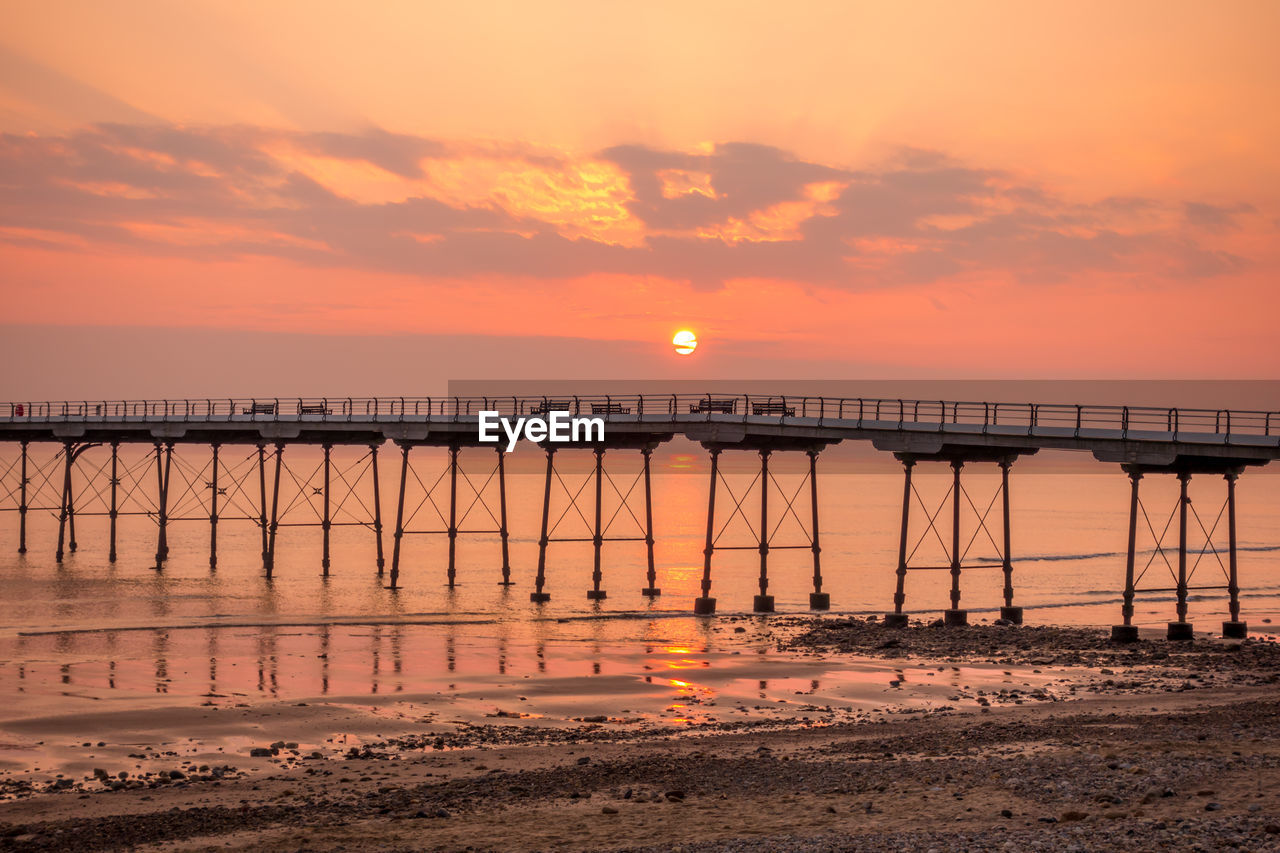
<point>1135,421</point>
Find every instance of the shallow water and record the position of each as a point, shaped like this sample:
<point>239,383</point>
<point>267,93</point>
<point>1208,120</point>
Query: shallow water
<point>88,631</point>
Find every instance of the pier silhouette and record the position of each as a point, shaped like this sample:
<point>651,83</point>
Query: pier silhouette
<point>224,459</point>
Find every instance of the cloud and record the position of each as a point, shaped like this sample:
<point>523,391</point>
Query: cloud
<point>1216,217</point>
<point>40,86</point>
<point>742,179</point>
<point>459,211</point>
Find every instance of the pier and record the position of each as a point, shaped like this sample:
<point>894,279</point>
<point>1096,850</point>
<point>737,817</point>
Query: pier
<point>220,461</point>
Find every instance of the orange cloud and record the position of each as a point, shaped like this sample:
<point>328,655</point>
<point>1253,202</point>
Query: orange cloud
<point>378,201</point>
<point>918,256</point>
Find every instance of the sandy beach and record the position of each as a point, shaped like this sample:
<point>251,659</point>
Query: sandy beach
<point>1036,738</point>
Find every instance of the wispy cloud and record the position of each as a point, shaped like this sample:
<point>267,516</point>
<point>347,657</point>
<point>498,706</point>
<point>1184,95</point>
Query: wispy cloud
<point>441,209</point>
<point>1223,217</point>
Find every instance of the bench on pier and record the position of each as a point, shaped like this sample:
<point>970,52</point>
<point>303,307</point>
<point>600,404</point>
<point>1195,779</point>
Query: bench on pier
<point>314,409</point>
<point>610,409</point>
<point>261,409</point>
<point>717,407</point>
<point>772,407</point>
<point>546,407</point>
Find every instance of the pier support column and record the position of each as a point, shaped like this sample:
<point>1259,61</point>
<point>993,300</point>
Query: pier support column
<point>1128,632</point>
<point>377,506</point>
<point>706,605</point>
<point>818,600</point>
<point>22,504</point>
<point>399,533</point>
<point>326,522</point>
<point>275,508</point>
<point>955,616</point>
<point>1008,612</point>
<point>1234,629</point>
<point>898,619</point>
<point>763,602</point>
<point>66,493</point>
<point>213,512</point>
<point>113,512</point>
<point>162,537</point>
<point>538,596</point>
<point>452,570</point>
<point>262,501</point>
<point>652,589</point>
<point>71,504</point>
<point>1182,629</point>
<point>597,539</point>
<point>502,517</point>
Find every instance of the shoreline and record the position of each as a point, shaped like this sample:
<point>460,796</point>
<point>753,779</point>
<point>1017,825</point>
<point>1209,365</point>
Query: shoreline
<point>361,772</point>
<point>1262,616</point>
<point>1106,772</point>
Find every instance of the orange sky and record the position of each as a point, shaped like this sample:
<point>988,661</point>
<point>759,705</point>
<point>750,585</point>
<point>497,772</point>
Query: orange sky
<point>1046,189</point>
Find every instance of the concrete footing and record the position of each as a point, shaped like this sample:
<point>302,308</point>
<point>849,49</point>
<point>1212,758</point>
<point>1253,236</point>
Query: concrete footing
<point>955,618</point>
<point>651,591</point>
<point>704,606</point>
<point>763,604</point>
<point>895,620</point>
<point>1124,633</point>
<point>539,597</point>
<point>819,601</point>
<point>1181,631</point>
<point>1235,630</point>
<point>1011,614</point>
<point>596,595</point>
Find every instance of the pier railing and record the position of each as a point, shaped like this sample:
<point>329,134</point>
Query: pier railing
<point>848,411</point>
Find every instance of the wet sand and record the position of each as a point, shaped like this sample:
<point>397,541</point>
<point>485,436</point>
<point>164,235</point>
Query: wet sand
<point>987,737</point>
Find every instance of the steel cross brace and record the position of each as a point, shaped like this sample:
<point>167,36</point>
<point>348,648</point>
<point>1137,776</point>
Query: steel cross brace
<point>764,536</point>
<point>597,528</point>
<point>303,493</point>
<point>954,553</point>
<point>452,523</point>
<point>1183,510</point>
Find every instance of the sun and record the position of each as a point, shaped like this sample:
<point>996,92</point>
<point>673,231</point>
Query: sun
<point>685,342</point>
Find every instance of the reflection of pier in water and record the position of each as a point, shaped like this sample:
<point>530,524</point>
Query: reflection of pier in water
<point>224,664</point>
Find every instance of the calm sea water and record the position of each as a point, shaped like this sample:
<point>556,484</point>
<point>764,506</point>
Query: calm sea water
<point>128,627</point>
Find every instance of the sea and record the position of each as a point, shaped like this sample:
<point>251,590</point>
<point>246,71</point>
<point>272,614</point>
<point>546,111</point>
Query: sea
<point>91,633</point>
